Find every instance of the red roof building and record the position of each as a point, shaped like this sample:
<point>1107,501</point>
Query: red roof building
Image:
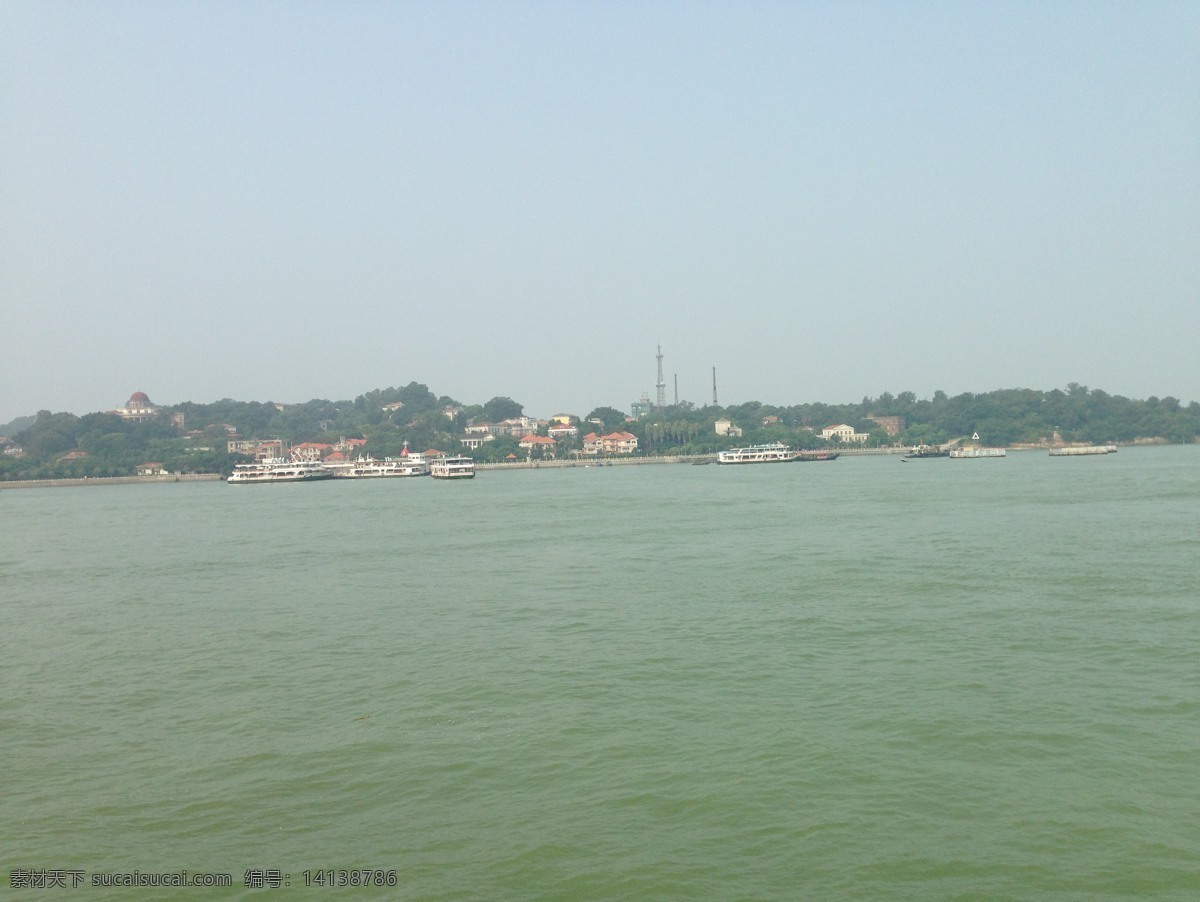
<point>613,443</point>
<point>311,451</point>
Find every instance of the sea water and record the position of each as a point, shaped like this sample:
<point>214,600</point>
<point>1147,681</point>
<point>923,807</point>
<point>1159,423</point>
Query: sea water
<point>847,679</point>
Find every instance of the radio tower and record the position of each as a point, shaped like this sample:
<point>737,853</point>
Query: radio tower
<point>715,404</point>
<point>662,386</point>
<point>676,389</point>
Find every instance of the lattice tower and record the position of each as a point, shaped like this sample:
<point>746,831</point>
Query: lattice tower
<point>662,386</point>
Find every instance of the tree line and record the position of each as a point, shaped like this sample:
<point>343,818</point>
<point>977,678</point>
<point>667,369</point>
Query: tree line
<point>388,419</point>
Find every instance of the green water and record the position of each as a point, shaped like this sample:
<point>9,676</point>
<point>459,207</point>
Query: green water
<point>857,679</point>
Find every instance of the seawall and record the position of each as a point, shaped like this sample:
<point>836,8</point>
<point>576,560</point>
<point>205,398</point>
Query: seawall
<point>107,480</point>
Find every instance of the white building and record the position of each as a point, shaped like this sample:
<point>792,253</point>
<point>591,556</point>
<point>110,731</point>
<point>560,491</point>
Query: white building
<point>843,433</point>
<point>476,440</point>
<point>137,409</point>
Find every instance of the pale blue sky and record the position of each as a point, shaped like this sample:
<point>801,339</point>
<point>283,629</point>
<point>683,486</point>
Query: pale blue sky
<point>281,201</point>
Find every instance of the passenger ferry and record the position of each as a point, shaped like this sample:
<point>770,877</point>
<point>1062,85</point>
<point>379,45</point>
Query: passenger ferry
<point>410,465</point>
<point>277,470</point>
<point>774,453</point>
<point>452,468</point>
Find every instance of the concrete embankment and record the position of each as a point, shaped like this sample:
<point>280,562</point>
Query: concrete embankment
<point>510,465</point>
<point>606,462</point>
<point>670,459</point>
<point>107,480</point>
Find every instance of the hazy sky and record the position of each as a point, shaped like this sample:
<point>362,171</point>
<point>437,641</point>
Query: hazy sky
<point>824,200</point>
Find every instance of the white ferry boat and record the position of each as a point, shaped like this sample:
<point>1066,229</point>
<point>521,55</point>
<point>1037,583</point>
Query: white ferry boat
<point>405,466</point>
<point>452,468</point>
<point>774,453</point>
<point>279,471</point>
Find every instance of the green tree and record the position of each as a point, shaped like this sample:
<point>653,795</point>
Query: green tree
<point>501,408</point>
<point>609,416</point>
<point>497,450</point>
<point>51,434</point>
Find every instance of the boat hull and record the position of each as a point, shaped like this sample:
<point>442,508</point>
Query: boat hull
<point>816,455</point>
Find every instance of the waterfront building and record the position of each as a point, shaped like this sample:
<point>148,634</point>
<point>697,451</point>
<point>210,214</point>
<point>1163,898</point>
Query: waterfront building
<point>891,425</point>
<point>613,443</point>
<point>542,443</point>
<point>843,433</point>
<point>349,446</point>
<point>313,451</point>
<point>259,449</point>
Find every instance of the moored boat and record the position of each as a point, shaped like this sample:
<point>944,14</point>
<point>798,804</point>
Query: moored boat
<point>920,452</point>
<point>277,470</point>
<point>410,465</point>
<point>816,455</point>
<point>452,468</point>
<point>773,453</point>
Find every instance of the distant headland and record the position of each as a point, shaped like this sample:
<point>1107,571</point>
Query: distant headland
<point>139,439</point>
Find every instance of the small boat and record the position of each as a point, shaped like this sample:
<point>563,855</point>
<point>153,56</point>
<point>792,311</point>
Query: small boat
<point>277,470</point>
<point>920,452</point>
<point>816,455</point>
<point>773,453</point>
<point>452,468</point>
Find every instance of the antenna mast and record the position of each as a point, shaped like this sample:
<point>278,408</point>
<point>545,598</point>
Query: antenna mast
<point>662,386</point>
<point>715,387</point>
<point>676,389</point>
